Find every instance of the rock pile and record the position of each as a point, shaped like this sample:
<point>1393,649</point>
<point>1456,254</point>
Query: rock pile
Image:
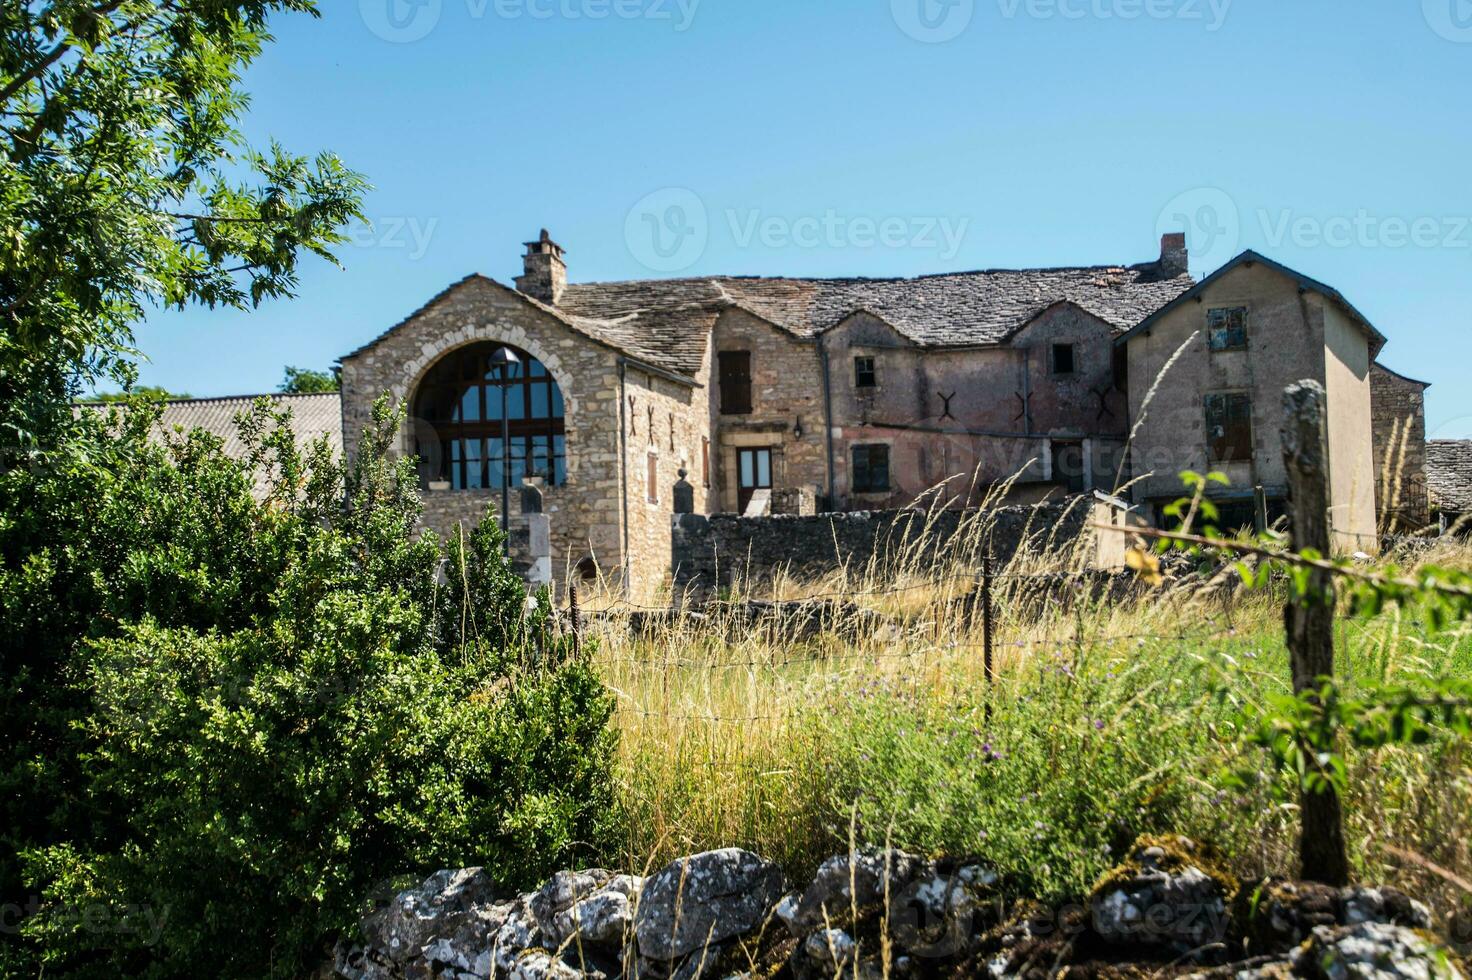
<point>728,914</point>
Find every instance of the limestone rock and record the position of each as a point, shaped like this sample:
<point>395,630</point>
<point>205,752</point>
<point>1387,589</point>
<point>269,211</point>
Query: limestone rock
<point>1162,896</point>
<point>561,892</point>
<point>705,898</point>
<point>1371,951</point>
<point>841,884</point>
<point>437,906</point>
<point>538,964</point>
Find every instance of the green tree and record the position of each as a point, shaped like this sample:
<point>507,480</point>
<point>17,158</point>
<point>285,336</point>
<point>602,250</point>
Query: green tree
<point>305,381</point>
<point>230,718</point>
<point>126,184</point>
<point>152,392</point>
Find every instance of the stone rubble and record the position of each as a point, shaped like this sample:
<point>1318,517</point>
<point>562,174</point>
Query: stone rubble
<point>727,915</point>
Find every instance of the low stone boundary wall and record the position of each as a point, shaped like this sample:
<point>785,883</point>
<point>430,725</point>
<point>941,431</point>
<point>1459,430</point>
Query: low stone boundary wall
<point>714,551</point>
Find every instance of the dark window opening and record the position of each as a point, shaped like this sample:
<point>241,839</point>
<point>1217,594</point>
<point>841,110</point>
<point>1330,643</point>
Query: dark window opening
<point>459,425</point>
<point>1121,368</point>
<point>705,461</point>
<point>864,373</point>
<point>734,372</point>
<point>1062,358</point>
<point>1227,328</point>
<point>1229,427</point>
<point>1068,466</point>
<point>871,469</point>
<point>587,569</point>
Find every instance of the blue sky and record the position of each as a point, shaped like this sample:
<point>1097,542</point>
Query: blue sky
<point>868,137</point>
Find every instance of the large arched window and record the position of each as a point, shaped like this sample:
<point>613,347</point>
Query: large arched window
<point>458,411</point>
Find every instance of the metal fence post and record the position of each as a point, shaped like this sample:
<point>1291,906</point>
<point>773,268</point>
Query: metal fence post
<point>572,607</point>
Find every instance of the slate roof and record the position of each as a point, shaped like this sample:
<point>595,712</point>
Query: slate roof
<point>963,309</point>
<point>665,322</point>
<point>1449,474</point>
<point>312,416</point>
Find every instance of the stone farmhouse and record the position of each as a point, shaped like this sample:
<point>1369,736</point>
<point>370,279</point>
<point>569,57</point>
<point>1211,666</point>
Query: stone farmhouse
<point>779,395</point>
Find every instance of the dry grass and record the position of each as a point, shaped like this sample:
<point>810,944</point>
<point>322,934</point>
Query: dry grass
<point>728,728</point>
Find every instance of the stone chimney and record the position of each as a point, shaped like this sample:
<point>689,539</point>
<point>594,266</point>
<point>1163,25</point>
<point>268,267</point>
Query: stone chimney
<point>1173,254</point>
<point>544,274</point>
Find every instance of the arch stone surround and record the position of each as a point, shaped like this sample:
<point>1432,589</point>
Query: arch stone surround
<point>584,513</point>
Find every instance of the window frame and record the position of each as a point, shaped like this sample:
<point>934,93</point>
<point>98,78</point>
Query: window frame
<point>866,367</point>
<point>868,486</point>
<point>1072,349</point>
<point>733,374</point>
<point>1211,330</point>
<point>466,452</point>
<point>1221,449</point>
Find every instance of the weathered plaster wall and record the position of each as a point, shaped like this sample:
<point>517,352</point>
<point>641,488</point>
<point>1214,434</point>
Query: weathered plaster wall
<point>1285,343</point>
<point>1351,453</point>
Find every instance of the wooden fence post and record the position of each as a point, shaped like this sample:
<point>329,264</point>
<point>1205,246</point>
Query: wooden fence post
<point>1310,618</point>
<point>986,628</point>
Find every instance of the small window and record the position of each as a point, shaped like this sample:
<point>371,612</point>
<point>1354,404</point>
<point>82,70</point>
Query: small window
<point>653,478</point>
<point>1062,358</point>
<point>734,370</point>
<point>705,461</point>
<point>871,469</point>
<point>864,372</point>
<point>1227,328</point>
<point>1229,427</point>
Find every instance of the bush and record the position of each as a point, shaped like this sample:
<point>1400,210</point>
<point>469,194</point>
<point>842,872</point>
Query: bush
<point>233,717</point>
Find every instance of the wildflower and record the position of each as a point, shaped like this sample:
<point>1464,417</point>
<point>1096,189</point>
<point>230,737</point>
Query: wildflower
<point>1099,725</point>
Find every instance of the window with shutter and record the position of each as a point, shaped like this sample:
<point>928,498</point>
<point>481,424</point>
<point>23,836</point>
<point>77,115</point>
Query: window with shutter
<point>734,370</point>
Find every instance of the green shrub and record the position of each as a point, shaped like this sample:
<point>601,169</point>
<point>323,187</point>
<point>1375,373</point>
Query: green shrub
<point>232,718</point>
<point>1075,763</point>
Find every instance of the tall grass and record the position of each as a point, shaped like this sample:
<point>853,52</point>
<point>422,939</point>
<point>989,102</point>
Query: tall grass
<point>1111,715</point>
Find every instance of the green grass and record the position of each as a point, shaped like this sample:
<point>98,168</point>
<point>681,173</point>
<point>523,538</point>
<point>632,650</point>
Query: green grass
<point>1108,720</point>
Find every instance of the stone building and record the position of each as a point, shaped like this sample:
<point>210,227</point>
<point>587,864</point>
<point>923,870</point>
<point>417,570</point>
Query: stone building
<point>796,394</point>
<point>1206,376</point>
<point>1398,421</point>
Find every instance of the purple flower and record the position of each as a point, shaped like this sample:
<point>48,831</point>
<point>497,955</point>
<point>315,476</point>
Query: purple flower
<point>1099,725</point>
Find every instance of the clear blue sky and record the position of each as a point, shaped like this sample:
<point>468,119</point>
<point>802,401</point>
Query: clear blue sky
<point>868,137</point>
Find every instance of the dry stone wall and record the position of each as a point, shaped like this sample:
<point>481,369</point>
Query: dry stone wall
<point>716,551</point>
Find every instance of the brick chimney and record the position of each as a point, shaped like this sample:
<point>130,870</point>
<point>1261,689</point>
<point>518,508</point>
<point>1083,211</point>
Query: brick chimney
<point>1173,254</point>
<point>544,273</point>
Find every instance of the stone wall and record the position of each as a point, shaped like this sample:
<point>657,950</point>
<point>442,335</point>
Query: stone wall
<point>714,551</point>
<point>1398,418</point>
